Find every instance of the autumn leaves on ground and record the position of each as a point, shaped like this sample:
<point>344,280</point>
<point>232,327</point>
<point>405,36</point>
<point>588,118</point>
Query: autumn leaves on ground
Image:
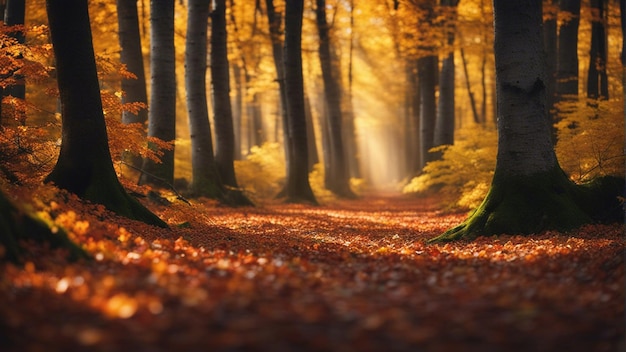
<point>345,276</point>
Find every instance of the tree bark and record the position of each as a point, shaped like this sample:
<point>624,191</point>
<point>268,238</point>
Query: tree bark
<point>14,15</point>
<point>337,176</point>
<point>131,56</point>
<point>205,178</point>
<point>529,192</point>
<point>274,20</point>
<point>444,125</point>
<point>427,71</point>
<point>567,64</point>
<point>84,166</point>
<point>298,188</point>
<point>597,83</point>
<point>222,110</point>
<point>550,46</point>
<point>162,114</point>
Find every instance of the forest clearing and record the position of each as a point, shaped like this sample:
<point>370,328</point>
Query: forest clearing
<point>351,275</point>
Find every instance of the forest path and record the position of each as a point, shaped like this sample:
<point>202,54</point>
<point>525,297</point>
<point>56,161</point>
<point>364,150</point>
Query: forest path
<point>351,275</point>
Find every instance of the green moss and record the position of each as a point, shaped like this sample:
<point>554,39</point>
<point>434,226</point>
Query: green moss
<point>526,205</point>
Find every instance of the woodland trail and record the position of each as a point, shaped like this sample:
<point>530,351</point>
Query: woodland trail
<point>346,276</point>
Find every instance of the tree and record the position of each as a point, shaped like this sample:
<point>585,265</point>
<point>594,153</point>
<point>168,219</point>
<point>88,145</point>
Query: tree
<point>337,176</point>
<point>84,166</point>
<point>205,178</point>
<point>597,83</point>
<point>131,56</point>
<point>222,110</point>
<point>14,16</point>
<point>274,20</point>
<point>567,64</point>
<point>529,191</point>
<point>427,68</point>
<point>444,125</point>
<point>162,113</point>
<point>298,188</point>
<point>134,90</point>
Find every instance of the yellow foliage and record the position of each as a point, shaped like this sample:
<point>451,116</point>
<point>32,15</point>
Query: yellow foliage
<point>262,174</point>
<point>591,138</point>
<point>466,168</point>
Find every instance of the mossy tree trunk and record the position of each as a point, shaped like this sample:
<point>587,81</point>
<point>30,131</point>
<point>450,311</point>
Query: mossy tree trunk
<point>529,192</point>
<point>84,166</point>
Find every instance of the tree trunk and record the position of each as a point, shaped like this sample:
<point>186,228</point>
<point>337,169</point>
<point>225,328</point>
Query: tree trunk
<point>529,192</point>
<point>274,20</point>
<point>412,135</point>
<point>84,166</point>
<point>298,188</point>
<point>597,83</point>
<point>222,110</point>
<point>550,46</point>
<point>14,15</point>
<point>162,114</point>
<point>337,175</point>
<point>427,71</point>
<point>444,125</point>
<point>131,56</point>
<point>134,90</point>
<point>567,64</point>
<point>205,178</point>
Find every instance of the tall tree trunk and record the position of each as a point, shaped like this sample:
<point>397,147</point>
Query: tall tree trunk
<point>468,86</point>
<point>298,187</point>
<point>567,64</point>
<point>444,126</point>
<point>427,71</point>
<point>597,83</point>
<point>551,10</point>
<point>134,90</point>
<point>84,166</point>
<point>205,178</point>
<point>131,56</point>
<point>337,175</point>
<point>222,111</point>
<point>529,192</point>
<point>162,114</point>
<point>412,135</point>
<point>14,15</point>
<point>274,20</point>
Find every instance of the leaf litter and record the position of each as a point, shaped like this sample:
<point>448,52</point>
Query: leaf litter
<point>346,276</point>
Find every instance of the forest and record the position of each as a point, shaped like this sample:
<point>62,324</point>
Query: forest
<point>323,175</point>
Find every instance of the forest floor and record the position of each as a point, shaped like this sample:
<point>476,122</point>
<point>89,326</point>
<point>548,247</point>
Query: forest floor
<point>345,276</point>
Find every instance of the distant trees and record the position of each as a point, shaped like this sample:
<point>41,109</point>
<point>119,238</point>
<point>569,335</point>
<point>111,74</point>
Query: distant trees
<point>84,165</point>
